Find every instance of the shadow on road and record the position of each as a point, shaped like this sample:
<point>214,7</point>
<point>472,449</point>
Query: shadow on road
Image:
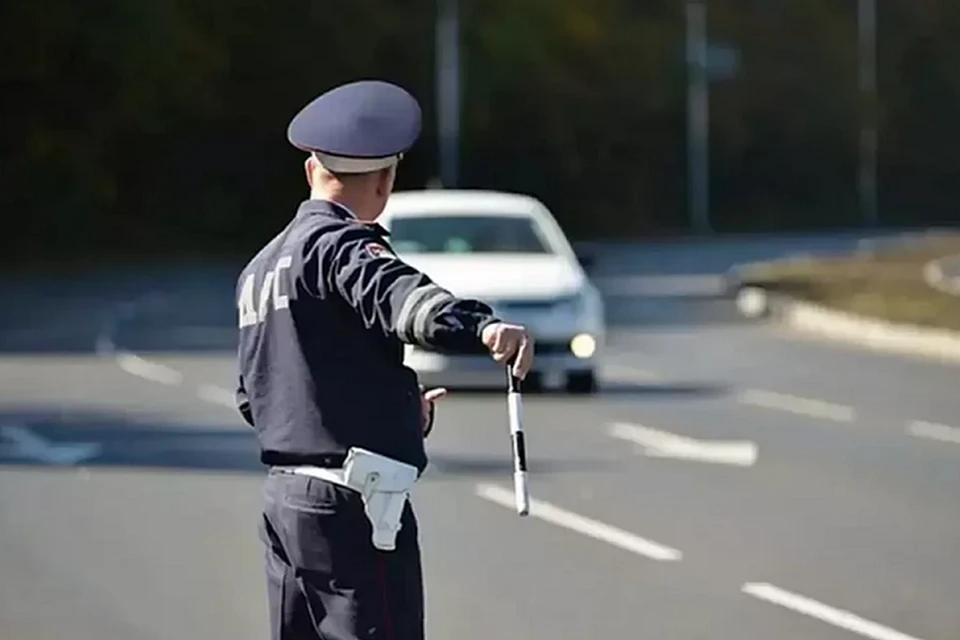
<point>474,466</point>
<point>54,438</point>
<point>667,391</point>
<point>651,391</point>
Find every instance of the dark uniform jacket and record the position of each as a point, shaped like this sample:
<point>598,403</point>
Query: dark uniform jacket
<point>324,311</point>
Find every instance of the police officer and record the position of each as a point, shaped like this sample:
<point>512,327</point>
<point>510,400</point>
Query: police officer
<point>324,311</point>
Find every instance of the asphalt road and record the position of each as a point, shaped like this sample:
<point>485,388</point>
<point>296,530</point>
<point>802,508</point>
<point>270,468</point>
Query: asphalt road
<point>827,507</point>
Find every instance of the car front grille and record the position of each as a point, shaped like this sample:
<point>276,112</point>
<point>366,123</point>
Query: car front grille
<point>526,305</point>
<point>551,348</point>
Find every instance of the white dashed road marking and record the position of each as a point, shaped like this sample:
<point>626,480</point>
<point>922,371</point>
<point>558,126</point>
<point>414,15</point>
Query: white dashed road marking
<point>662,444</point>
<point>798,405</point>
<point>934,431</point>
<point>582,525</point>
<point>149,370</point>
<point>217,395</point>
<point>823,612</point>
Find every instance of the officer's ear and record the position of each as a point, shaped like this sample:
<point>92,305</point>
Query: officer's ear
<point>385,179</point>
<point>309,165</point>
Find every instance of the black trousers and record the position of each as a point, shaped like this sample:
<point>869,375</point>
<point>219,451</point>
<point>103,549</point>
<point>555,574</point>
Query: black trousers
<point>325,579</point>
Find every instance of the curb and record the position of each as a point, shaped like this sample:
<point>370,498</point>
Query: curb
<point>757,302</point>
<point>934,274</point>
<point>877,335</point>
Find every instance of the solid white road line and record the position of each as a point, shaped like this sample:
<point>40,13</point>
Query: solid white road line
<point>580,524</point>
<point>822,612</point>
<point>662,444</point>
<point>934,431</point>
<point>798,405</point>
<point>148,370</point>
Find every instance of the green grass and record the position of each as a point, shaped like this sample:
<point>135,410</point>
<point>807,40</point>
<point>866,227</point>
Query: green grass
<point>886,284</point>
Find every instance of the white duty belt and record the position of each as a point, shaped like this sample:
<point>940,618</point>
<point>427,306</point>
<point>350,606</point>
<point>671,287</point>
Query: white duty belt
<point>383,483</point>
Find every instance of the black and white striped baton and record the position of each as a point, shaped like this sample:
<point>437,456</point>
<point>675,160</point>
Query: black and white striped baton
<point>515,410</point>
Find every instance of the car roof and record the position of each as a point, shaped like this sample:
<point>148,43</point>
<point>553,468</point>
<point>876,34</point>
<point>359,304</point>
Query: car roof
<point>463,202</point>
<point>453,202</point>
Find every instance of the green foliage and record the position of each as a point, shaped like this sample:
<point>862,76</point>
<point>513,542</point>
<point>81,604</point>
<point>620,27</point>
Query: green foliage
<point>153,125</point>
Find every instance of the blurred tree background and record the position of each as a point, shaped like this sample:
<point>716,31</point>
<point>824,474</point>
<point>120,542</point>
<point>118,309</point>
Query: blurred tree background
<point>141,126</point>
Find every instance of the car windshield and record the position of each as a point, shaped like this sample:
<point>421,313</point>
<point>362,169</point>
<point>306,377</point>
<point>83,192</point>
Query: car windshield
<point>467,234</point>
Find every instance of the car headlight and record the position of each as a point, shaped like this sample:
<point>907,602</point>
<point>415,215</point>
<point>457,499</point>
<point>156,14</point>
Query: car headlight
<point>583,345</point>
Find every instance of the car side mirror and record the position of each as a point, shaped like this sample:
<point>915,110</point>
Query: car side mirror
<point>586,260</point>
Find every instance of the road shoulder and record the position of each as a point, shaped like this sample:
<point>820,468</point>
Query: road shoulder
<point>878,299</point>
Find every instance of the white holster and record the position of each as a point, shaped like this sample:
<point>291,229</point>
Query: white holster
<point>383,483</point>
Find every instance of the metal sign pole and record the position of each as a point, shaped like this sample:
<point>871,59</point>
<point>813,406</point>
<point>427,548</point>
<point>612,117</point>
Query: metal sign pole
<point>698,117</point>
<point>867,178</point>
<point>448,91</point>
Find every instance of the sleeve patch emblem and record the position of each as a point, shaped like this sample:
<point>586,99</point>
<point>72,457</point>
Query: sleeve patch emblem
<point>376,249</point>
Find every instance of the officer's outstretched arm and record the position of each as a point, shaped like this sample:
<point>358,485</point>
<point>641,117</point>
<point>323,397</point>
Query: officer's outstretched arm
<point>395,297</point>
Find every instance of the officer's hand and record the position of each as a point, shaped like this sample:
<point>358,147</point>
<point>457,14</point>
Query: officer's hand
<point>426,402</point>
<point>506,341</point>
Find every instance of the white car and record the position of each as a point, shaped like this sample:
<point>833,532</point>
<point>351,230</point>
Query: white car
<point>508,251</point>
